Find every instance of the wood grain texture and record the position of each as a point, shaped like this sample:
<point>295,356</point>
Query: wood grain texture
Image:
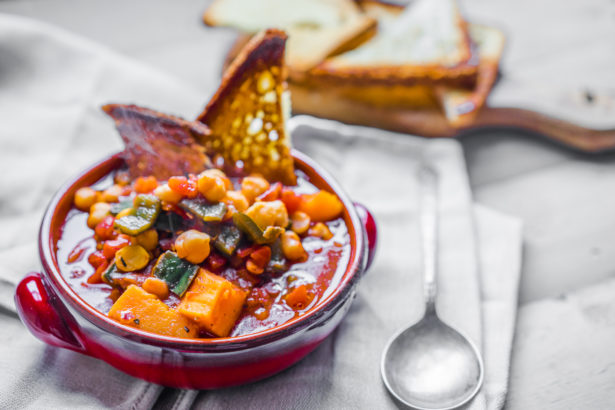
<point>432,123</point>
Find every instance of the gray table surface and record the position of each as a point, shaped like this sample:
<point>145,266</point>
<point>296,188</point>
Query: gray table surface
<point>564,353</point>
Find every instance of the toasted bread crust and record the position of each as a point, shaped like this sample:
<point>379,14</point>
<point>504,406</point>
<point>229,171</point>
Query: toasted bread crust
<point>330,104</point>
<point>463,74</point>
<point>461,107</point>
<point>308,47</point>
<point>369,29</point>
<point>248,121</point>
<point>424,90</point>
<point>364,30</point>
<point>158,144</point>
<point>262,51</point>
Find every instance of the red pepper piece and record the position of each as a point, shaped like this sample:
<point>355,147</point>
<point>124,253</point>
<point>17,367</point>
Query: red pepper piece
<point>104,229</point>
<point>96,259</point>
<point>112,246</point>
<point>290,199</point>
<point>215,262</point>
<point>183,186</point>
<point>272,193</point>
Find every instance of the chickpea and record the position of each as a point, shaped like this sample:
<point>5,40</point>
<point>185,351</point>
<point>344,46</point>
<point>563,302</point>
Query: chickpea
<point>122,178</point>
<point>300,222</point>
<point>167,194</point>
<point>156,287</point>
<point>148,239</point>
<point>144,185</point>
<point>237,199</point>
<point>131,258</point>
<point>112,194</point>
<point>321,230</point>
<point>253,186</point>
<point>193,246</point>
<point>212,185</point>
<point>292,247</point>
<point>219,173</point>
<point>271,213</point>
<point>84,198</point>
<point>98,212</point>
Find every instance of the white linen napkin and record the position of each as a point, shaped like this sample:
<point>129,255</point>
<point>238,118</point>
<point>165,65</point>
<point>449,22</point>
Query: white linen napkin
<point>51,87</point>
<point>378,168</point>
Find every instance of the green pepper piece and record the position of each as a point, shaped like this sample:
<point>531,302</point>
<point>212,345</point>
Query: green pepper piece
<point>146,210</point>
<point>277,263</point>
<point>111,275</point>
<point>254,232</point>
<point>204,210</point>
<point>118,207</point>
<point>228,240</point>
<point>170,222</point>
<point>176,272</point>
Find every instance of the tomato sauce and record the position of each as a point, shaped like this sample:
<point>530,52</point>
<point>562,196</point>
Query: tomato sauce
<point>271,299</point>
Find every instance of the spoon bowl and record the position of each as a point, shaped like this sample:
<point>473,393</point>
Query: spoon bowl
<point>432,366</point>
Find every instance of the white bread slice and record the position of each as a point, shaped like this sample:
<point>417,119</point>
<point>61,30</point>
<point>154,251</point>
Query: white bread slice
<point>316,28</point>
<point>461,106</point>
<point>248,113</point>
<point>428,40</point>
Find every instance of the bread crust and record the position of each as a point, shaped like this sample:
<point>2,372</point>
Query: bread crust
<point>158,144</point>
<point>246,114</point>
<point>462,74</point>
<point>428,88</point>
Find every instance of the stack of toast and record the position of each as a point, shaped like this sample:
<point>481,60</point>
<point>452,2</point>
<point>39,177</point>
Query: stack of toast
<point>374,63</point>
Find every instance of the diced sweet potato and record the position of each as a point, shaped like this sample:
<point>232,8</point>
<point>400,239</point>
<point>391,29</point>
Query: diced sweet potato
<point>213,303</point>
<point>145,311</point>
<point>299,297</point>
<point>321,207</point>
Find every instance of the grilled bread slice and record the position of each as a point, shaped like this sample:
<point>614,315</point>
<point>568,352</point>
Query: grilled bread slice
<point>427,42</point>
<point>316,28</point>
<point>159,144</point>
<point>247,115</point>
<point>459,103</point>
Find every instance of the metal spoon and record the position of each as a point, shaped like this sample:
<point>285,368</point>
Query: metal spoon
<point>430,365</point>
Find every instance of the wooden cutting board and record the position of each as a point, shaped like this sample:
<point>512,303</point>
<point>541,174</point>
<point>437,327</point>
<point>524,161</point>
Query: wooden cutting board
<point>432,123</point>
<point>555,81</point>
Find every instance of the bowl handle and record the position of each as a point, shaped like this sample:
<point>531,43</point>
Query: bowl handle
<point>371,231</point>
<point>44,315</point>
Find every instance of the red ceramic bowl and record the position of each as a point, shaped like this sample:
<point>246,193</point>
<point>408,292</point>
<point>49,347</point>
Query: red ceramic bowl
<point>58,316</point>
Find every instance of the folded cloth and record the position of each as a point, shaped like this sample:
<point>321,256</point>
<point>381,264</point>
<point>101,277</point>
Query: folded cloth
<point>378,169</point>
<point>51,86</point>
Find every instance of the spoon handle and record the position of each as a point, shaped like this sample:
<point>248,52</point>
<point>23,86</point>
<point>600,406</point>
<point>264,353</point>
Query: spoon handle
<point>428,181</point>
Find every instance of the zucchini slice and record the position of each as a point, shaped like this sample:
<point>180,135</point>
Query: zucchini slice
<point>277,263</point>
<point>204,210</point>
<point>227,240</point>
<point>170,222</point>
<point>112,275</point>
<point>176,272</point>
<point>143,217</point>
<point>254,232</point>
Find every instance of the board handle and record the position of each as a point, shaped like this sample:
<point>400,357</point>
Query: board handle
<point>564,132</point>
